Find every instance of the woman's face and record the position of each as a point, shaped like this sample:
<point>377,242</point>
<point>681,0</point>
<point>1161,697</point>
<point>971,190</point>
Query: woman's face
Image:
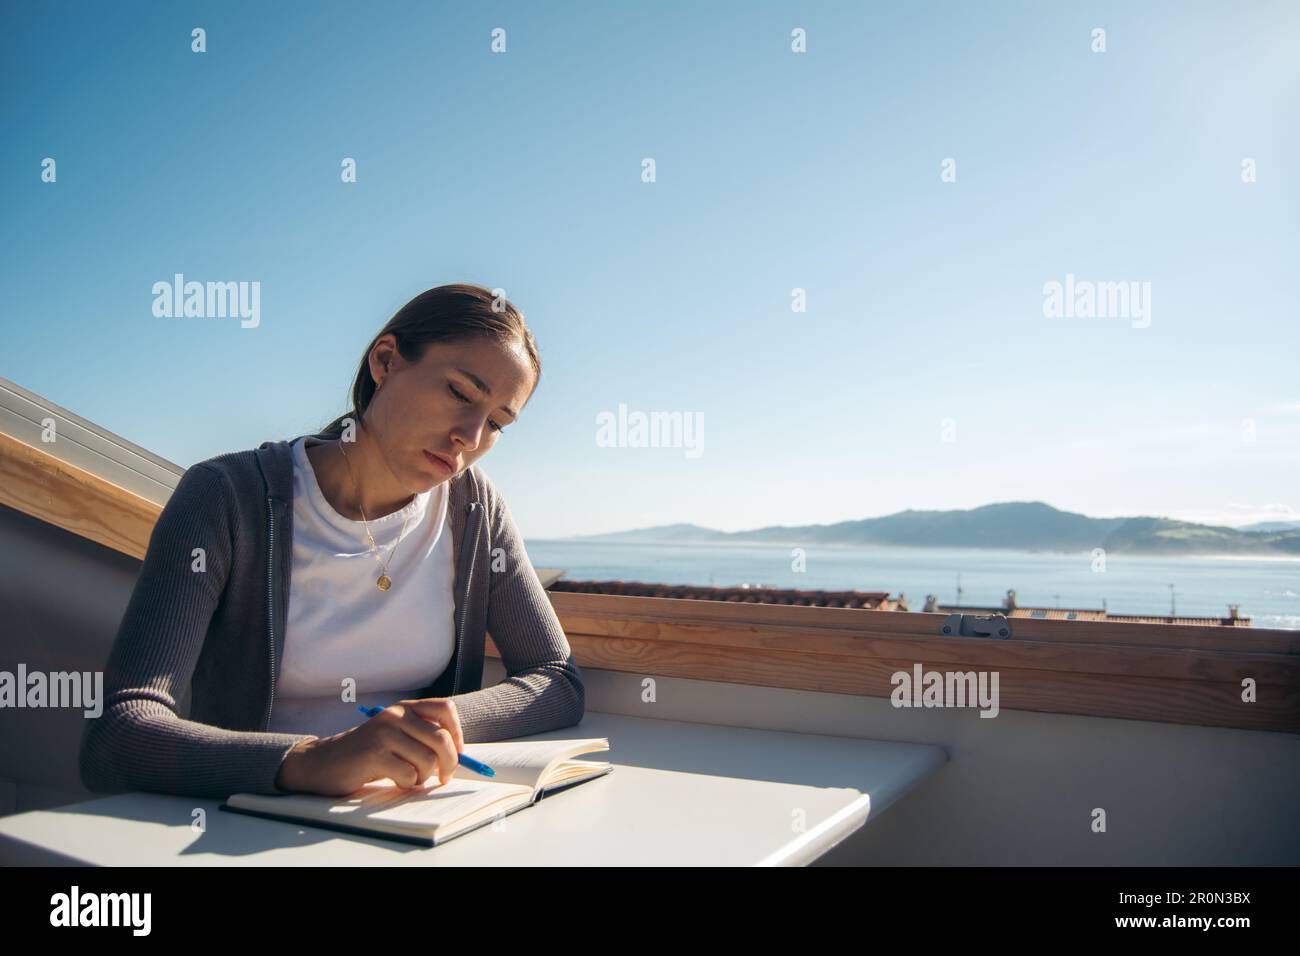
<point>451,403</point>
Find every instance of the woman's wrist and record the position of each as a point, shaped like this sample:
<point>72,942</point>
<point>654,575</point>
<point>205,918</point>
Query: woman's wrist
<point>290,776</point>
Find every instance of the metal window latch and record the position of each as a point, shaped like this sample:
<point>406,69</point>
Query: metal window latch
<point>976,625</point>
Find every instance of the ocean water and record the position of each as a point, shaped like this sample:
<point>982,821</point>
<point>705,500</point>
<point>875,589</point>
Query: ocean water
<point>1267,590</point>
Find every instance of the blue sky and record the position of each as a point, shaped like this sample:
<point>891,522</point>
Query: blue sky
<point>774,171</point>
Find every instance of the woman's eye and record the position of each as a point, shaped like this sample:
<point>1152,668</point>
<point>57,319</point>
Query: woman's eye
<point>495,426</point>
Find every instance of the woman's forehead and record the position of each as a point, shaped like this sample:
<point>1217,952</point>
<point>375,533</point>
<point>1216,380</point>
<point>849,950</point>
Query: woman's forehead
<point>495,369</point>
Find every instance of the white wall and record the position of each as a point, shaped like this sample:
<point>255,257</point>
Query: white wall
<point>1019,788</point>
<point>61,599</point>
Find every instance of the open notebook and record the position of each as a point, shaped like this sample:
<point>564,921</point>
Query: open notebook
<point>430,814</point>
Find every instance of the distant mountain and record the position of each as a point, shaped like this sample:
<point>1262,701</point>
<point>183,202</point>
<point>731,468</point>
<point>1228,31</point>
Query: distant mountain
<point>663,532</point>
<point>1272,526</point>
<point>1018,525</point>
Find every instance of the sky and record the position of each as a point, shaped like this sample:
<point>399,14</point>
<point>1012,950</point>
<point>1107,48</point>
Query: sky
<point>922,172</point>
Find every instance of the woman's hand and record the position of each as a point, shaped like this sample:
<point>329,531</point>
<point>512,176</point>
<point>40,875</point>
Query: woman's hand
<point>407,742</point>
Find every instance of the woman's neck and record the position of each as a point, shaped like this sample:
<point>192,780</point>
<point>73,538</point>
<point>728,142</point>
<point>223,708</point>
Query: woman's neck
<point>337,482</point>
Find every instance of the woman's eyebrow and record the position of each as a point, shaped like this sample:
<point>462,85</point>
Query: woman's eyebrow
<point>482,387</point>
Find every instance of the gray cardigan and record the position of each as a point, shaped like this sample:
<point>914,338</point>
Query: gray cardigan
<point>218,633</point>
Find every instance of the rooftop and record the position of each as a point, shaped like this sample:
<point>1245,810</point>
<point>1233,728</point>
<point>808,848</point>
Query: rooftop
<point>554,580</point>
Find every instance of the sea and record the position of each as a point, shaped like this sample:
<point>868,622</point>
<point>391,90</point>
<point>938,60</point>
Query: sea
<point>1265,589</point>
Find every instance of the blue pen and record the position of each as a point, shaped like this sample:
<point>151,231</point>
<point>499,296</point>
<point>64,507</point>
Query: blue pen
<point>465,760</point>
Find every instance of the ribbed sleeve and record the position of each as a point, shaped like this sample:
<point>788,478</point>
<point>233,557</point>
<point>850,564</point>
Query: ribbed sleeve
<point>543,687</point>
<point>140,742</point>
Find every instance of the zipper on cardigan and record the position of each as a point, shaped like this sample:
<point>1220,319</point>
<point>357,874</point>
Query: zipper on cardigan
<point>270,602</point>
<point>464,608</point>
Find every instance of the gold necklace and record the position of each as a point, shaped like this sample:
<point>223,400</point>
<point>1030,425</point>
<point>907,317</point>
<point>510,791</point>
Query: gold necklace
<point>384,582</point>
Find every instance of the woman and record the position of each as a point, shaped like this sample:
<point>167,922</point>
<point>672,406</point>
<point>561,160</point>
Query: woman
<point>286,586</point>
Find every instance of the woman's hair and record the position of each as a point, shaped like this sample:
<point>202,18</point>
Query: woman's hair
<point>449,313</point>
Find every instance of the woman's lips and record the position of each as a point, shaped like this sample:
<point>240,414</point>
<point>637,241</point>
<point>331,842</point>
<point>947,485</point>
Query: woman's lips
<point>439,463</point>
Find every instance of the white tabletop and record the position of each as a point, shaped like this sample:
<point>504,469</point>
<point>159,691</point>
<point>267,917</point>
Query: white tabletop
<point>680,794</point>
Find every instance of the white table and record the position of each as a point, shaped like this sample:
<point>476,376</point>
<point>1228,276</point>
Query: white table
<point>680,794</point>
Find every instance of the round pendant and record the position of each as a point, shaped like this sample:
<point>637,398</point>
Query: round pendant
<point>384,582</point>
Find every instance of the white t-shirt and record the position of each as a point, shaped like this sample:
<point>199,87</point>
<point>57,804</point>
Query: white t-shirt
<point>340,625</point>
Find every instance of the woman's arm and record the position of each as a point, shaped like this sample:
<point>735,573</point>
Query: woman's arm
<point>140,742</point>
<point>543,687</point>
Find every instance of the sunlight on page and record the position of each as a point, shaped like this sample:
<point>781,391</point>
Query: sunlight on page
<point>427,803</point>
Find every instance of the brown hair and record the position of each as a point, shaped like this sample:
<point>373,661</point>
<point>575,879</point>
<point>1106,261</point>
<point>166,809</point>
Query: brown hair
<point>449,313</point>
